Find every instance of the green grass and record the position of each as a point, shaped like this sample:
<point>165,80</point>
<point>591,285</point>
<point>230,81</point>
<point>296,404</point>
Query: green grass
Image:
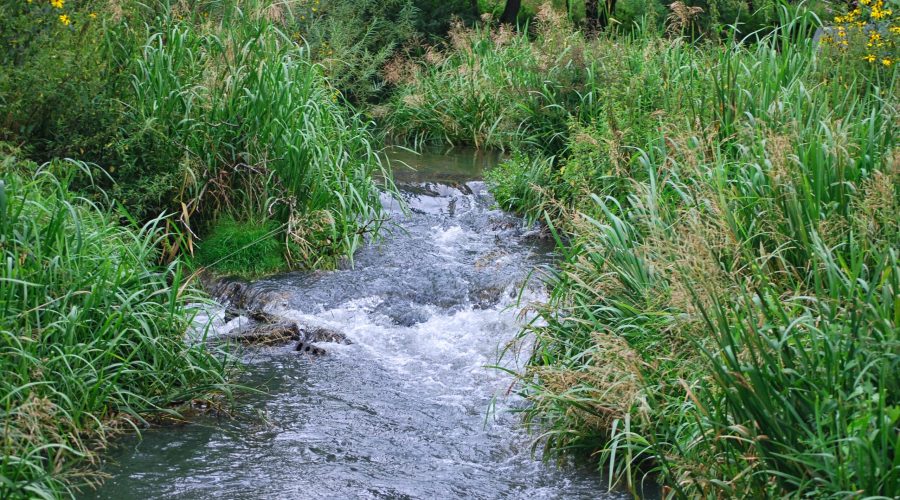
<point>92,331</point>
<point>258,129</point>
<point>246,249</point>
<point>490,90</point>
<point>214,111</point>
<point>725,316</point>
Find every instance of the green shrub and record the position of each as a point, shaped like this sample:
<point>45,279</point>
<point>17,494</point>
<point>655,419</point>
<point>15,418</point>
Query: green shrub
<point>163,98</point>
<point>92,331</point>
<point>354,39</point>
<point>56,81</point>
<point>725,315</point>
<point>492,88</point>
<point>495,88</point>
<point>517,184</point>
<point>437,16</point>
<point>272,140</point>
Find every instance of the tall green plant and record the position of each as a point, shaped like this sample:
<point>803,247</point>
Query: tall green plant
<point>246,112</point>
<point>725,312</point>
<point>213,110</point>
<point>92,332</point>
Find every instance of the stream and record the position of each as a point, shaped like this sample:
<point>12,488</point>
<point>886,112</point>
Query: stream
<point>405,410</point>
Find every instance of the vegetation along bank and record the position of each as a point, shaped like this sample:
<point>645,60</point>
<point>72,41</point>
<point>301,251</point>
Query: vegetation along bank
<point>191,122</point>
<point>721,178</point>
<point>725,317</point>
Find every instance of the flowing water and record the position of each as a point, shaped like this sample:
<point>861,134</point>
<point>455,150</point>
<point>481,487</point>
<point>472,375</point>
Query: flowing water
<point>403,412</point>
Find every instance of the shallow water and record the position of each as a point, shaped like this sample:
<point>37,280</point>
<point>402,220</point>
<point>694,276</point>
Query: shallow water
<point>403,411</point>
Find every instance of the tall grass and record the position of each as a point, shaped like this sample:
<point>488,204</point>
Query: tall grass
<point>203,109</point>
<point>491,89</point>
<point>91,331</point>
<point>725,317</point>
<point>256,128</point>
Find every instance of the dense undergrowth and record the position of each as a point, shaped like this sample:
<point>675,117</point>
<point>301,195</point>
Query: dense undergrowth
<point>91,331</point>
<point>726,316</point>
<point>208,111</point>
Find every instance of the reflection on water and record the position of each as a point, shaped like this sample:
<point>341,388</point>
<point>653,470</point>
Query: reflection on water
<point>440,165</point>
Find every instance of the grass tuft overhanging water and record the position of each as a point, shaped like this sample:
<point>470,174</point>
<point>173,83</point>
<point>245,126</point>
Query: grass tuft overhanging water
<point>92,331</point>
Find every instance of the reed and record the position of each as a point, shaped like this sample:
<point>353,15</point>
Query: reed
<point>209,110</point>
<point>92,331</point>
<point>256,129</point>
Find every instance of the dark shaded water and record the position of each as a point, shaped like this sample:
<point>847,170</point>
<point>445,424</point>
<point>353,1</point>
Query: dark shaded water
<point>403,411</point>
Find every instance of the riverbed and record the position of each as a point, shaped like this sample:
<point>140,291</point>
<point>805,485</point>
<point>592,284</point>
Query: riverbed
<point>414,407</point>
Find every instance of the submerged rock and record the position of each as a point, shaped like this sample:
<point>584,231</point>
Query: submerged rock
<point>231,293</point>
<point>238,295</point>
<point>486,298</point>
<point>402,313</point>
<point>280,332</point>
<point>322,334</point>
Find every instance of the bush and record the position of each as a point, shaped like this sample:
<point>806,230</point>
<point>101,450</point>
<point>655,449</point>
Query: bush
<point>354,39</point>
<point>517,185</point>
<point>163,98</point>
<point>92,332</point>
<point>725,313</point>
<point>492,88</point>
<point>437,16</point>
<point>286,147</point>
<point>56,83</point>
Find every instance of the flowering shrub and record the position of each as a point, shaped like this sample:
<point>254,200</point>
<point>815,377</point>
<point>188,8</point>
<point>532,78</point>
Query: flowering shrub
<point>871,29</point>
<point>58,9</point>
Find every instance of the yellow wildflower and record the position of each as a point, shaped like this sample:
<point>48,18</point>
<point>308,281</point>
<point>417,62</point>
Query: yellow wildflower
<point>57,3</point>
<point>65,20</point>
<point>93,15</point>
<point>869,58</point>
<point>886,62</point>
